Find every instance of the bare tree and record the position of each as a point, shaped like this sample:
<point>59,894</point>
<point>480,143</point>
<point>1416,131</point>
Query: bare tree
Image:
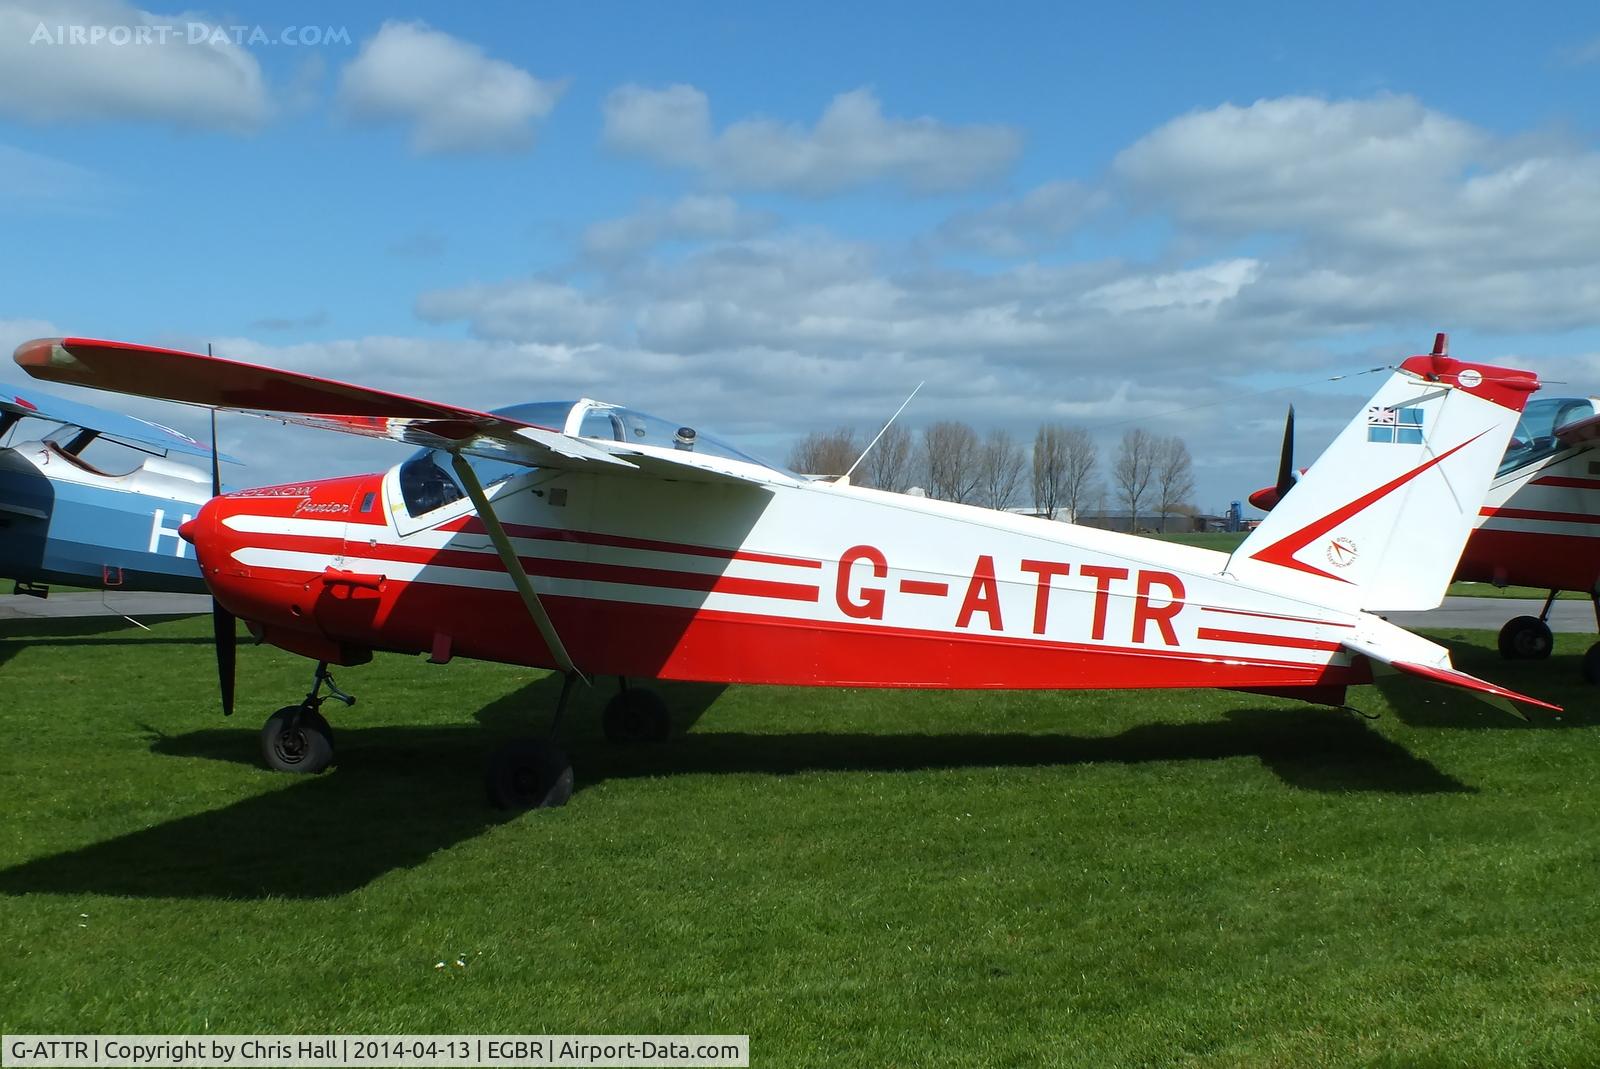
<point>826,453</point>
<point>1083,480</point>
<point>950,453</point>
<point>1174,476</point>
<point>1049,465</point>
<point>1133,471</point>
<point>1000,463</point>
<point>888,465</point>
<point>1064,462</point>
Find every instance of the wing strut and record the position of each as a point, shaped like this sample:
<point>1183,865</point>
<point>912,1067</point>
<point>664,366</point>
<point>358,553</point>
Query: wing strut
<point>508,557</point>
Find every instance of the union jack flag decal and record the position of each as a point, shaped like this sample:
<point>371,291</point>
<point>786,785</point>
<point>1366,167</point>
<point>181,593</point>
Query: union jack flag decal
<point>1401,426</point>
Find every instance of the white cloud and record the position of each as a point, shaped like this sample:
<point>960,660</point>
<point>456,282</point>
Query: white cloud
<point>1295,161</point>
<point>1209,285</point>
<point>160,77</point>
<point>455,97</point>
<point>813,297</point>
<point>1037,220</point>
<point>528,310</point>
<point>670,126</point>
<point>1382,212</point>
<point>852,144</point>
<point>695,217</point>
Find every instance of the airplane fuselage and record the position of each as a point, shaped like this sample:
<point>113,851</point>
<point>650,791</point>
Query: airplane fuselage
<point>810,584</point>
<point>1540,526</point>
<point>63,522</point>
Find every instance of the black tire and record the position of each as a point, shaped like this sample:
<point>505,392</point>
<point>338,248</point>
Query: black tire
<point>637,715</point>
<point>1591,664</point>
<point>1526,638</point>
<point>527,774</point>
<point>296,739</point>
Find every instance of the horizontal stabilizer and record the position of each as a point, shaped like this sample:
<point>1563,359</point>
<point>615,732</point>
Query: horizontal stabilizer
<point>1454,678</point>
<point>1442,671</point>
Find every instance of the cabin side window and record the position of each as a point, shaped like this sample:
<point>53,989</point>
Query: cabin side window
<point>425,485</point>
<point>427,481</point>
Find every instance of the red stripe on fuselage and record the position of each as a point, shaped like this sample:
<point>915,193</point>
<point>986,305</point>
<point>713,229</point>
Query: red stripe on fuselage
<point>1539,514</point>
<point>1274,616</point>
<point>544,567</point>
<point>473,525</point>
<point>1567,480</point>
<point>1255,638</point>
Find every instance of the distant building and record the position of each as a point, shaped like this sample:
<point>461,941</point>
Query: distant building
<point>1150,522</point>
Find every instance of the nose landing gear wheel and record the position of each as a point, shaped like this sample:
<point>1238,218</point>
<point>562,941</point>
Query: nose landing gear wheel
<point>297,739</point>
<point>528,774</point>
<point>1526,638</point>
<point>636,715</point>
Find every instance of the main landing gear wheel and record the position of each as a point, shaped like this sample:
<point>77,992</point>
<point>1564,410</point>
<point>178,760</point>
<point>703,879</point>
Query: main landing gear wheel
<point>297,739</point>
<point>635,715</point>
<point>529,774</point>
<point>1591,664</point>
<point>1526,638</point>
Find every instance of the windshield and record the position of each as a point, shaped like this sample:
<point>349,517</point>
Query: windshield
<point>613,423</point>
<point>427,483</point>
<point>1534,439</point>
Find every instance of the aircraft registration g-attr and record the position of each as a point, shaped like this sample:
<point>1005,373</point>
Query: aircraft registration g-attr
<point>594,539</point>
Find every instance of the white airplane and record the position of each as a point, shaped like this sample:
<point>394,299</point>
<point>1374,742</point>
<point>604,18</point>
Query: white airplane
<point>596,540</point>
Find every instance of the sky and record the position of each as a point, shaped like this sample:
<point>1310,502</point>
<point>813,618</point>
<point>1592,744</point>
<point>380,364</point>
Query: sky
<point>771,219</point>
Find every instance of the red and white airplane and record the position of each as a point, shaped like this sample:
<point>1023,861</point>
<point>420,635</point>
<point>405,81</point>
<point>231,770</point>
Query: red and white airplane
<point>599,541</point>
<point>1540,524</point>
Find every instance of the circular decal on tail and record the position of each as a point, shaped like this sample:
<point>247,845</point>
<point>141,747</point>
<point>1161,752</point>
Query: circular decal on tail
<point>1342,552</point>
<point>1471,378</point>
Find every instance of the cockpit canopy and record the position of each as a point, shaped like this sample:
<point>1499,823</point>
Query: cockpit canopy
<point>1535,436</point>
<point>427,484</point>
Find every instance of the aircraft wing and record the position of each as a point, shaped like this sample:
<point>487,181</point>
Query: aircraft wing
<point>1584,430</point>
<point>215,382</point>
<point>115,425</point>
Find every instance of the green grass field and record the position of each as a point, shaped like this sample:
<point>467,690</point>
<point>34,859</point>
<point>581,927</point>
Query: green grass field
<point>852,877</point>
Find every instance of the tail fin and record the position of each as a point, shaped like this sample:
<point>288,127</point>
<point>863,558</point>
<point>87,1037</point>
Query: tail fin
<point>1380,520</point>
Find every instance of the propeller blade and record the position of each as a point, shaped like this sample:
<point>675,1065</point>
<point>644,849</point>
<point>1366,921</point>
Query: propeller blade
<point>1286,472</point>
<point>224,633</point>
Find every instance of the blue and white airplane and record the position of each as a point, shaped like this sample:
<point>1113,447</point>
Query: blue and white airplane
<point>67,520</point>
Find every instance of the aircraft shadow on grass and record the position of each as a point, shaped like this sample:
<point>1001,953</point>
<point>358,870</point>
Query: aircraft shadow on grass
<point>400,794</point>
<point>81,633</point>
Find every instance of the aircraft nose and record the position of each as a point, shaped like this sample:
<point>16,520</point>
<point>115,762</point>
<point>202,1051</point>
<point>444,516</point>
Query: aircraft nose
<point>186,530</point>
